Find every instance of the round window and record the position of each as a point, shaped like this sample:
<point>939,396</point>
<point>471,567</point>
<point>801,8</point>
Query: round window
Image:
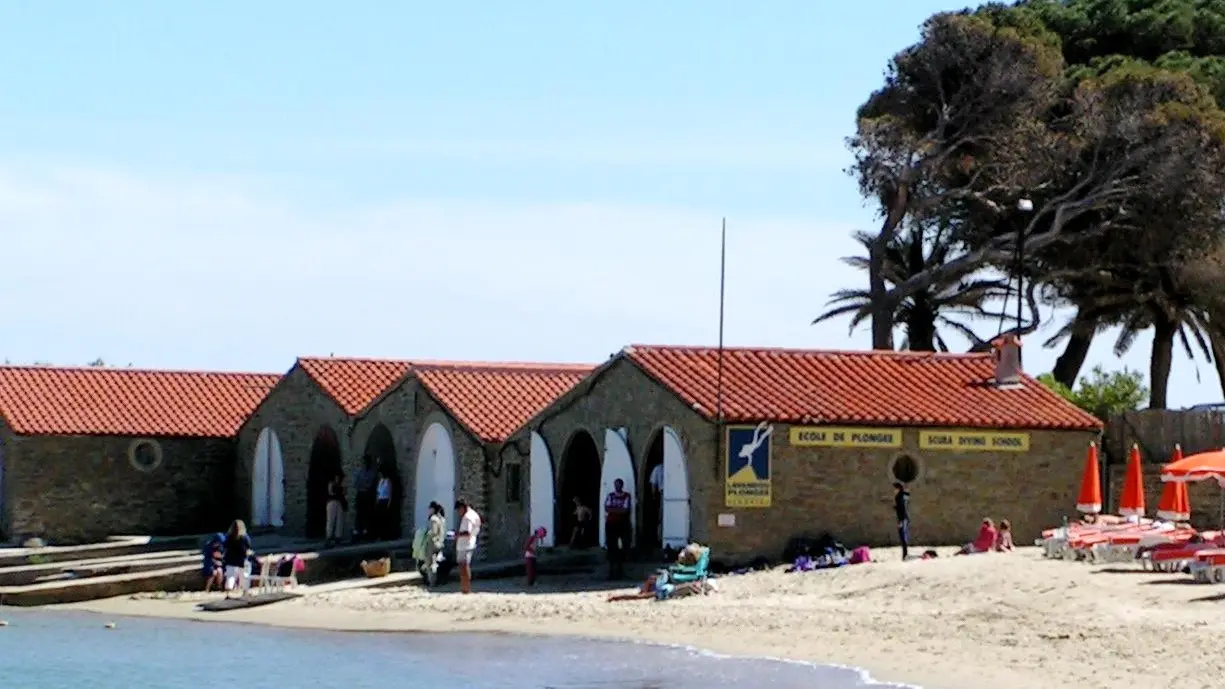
<point>905,469</point>
<point>145,454</point>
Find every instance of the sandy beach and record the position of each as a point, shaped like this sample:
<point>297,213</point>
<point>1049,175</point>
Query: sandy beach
<point>1011,621</point>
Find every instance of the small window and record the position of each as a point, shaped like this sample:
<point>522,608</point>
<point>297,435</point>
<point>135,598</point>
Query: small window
<point>514,482</point>
<point>145,454</point>
<point>905,469</point>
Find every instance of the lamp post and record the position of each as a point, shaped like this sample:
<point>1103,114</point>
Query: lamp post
<point>1025,206</point>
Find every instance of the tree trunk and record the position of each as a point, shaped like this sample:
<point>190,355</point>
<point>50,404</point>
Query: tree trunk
<point>1160,362</point>
<point>883,306</point>
<point>1068,365</point>
<point>1218,357</point>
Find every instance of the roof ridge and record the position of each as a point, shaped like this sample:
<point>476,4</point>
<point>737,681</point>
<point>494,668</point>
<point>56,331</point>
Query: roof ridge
<point>133,369</point>
<point>802,351</point>
<point>494,366</point>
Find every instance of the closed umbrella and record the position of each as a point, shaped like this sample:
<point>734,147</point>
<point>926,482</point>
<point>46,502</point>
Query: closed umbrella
<point>1175,505</point>
<point>1089,500</point>
<point>1132,504</point>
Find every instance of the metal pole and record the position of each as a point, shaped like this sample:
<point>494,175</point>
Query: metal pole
<point>719,356</point>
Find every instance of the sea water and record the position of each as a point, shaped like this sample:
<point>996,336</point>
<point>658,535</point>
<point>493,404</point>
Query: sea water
<point>50,650</point>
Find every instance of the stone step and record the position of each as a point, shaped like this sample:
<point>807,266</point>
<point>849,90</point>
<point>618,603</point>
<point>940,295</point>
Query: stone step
<point>77,569</point>
<point>79,590</point>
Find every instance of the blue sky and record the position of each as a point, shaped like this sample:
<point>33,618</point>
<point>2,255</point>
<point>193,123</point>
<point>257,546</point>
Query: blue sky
<point>230,185</point>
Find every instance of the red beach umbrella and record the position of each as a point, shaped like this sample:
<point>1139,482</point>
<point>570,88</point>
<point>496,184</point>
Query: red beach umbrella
<point>1132,504</point>
<point>1089,500</point>
<point>1175,505</point>
<point>1197,467</point>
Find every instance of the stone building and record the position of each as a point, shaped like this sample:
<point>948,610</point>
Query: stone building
<point>91,452</point>
<point>811,442</point>
<point>438,425</point>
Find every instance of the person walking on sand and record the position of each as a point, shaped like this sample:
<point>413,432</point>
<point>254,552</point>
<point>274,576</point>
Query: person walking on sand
<point>617,528</point>
<point>465,542</point>
<point>435,540</point>
<point>901,509</point>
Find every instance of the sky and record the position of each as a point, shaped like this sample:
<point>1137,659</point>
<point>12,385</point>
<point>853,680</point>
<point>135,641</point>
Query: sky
<point>231,185</point>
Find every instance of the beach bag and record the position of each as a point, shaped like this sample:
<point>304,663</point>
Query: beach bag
<point>861,555</point>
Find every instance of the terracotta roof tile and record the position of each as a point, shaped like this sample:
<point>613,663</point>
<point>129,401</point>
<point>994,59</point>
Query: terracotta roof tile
<point>354,383</point>
<point>866,387</point>
<point>494,400</point>
<point>36,400</point>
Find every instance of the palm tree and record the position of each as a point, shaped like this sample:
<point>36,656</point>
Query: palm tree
<point>1176,301</point>
<point>923,316</point>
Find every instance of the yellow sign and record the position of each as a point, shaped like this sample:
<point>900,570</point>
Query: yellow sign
<point>747,466</point>
<point>981,441</point>
<point>828,436</point>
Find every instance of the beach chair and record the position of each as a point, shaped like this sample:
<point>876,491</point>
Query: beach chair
<point>1123,547</point>
<point>1209,566</point>
<point>275,575</point>
<point>688,574</point>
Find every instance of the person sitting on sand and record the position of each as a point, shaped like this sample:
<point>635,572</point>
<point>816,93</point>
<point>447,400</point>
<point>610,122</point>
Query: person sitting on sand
<point>984,542</point>
<point>1003,539</point>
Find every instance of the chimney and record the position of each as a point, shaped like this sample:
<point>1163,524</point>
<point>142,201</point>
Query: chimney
<point>1007,353</point>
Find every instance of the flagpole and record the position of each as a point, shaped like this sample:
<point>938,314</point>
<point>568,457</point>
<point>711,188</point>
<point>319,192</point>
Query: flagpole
<point>719,357</point>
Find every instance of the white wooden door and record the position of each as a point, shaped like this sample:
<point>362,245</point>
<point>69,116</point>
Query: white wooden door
<point>435,476</point>
<point>675,492</point>
<point>259,480</point>
<point>542,496</point>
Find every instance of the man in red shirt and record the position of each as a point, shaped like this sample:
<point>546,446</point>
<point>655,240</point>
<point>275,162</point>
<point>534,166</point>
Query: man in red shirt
<point>617,527</point>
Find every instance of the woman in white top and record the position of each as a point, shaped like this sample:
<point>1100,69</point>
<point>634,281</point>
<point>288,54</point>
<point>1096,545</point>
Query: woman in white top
<point>465,542</point>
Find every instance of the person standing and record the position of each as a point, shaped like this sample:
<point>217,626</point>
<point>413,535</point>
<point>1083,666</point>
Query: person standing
<point>465,542</point>
<point>337,505</point>
<point>235,552</point>
<point>617,528</point>
<point>901,509</point>
<point>364,482</point>
<point>579,537</point>
<point>435,540</point>
<point>382,507</point>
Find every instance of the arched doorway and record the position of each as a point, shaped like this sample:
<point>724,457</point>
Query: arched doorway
<point>435,476</point>
<point>325,464</point>
<point>381,448</point>
<point>268,481</point>
<point>651,504</point>
<point>578,477</point>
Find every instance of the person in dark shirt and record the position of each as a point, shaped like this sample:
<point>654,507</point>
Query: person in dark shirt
<point>365,483</point>
<point>901,508</point>
<point>236,552</point>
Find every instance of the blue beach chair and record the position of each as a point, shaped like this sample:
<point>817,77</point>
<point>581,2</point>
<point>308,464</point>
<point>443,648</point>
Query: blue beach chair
<point>688,574</point>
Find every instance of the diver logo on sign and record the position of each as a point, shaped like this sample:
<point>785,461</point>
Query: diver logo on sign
<point>748,465</point>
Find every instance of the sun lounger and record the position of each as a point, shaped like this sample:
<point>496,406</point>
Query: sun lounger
<point>1059,543</point>
<point>1124,546</point>
<point>1173,557</point>
<point>1208,567</point>
<point>1095,547</point>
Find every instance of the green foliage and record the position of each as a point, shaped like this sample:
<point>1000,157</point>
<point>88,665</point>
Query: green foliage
<point>1103,393</point>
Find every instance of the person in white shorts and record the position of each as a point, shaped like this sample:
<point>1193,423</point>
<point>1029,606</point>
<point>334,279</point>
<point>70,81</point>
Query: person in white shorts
<point>465,542</point>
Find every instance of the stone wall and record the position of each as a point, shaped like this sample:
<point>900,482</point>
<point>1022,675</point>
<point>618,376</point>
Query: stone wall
<point>295,409</point>
<point>622,396</point>
<point>72,489</point>
<point>844,491</point>
<point>848,491</point>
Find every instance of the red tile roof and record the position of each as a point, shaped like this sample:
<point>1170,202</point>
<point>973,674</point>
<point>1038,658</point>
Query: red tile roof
<point>37,400</point>
<point>493,400</point>
<point>354,383</point>
<point>865,387</point>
